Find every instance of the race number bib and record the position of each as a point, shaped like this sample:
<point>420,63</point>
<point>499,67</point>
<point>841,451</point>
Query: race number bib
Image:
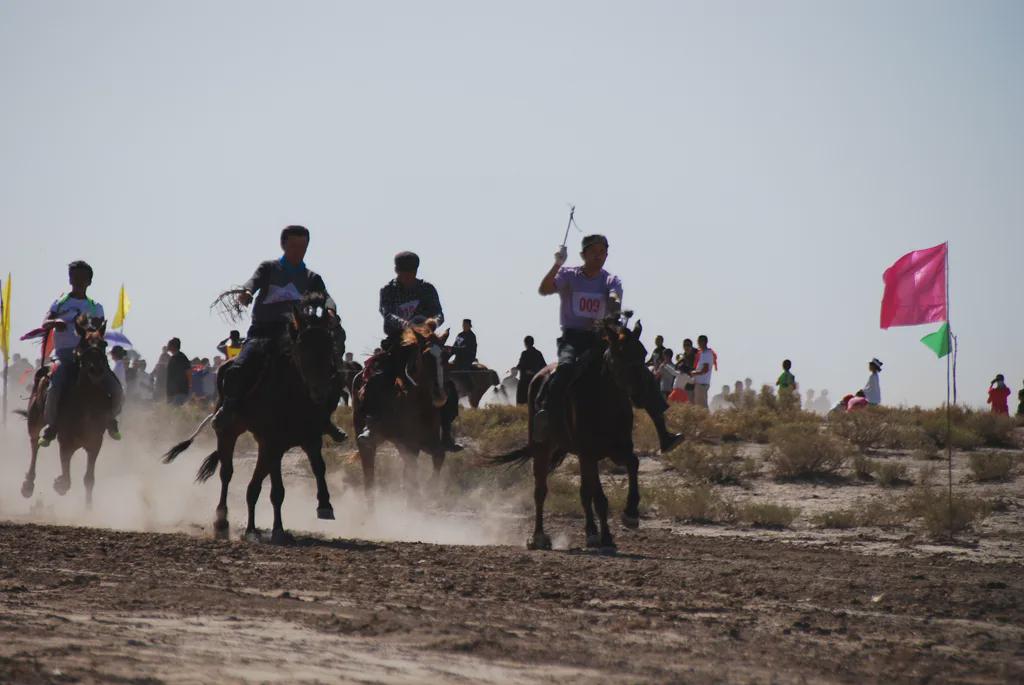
<point>588,305</point>
<point>406,310</point>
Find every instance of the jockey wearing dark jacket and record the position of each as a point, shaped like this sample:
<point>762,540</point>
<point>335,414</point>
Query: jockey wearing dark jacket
<point>278,285</point>
<point>407,300</point>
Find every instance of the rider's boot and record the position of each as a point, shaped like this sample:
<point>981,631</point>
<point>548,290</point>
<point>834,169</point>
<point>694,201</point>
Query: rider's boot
<point>335,433</point>
<point>113,431</point>
<point>48,435</point>
<point>666,440</point>
<point>550,416</point>
<point>447,441</point>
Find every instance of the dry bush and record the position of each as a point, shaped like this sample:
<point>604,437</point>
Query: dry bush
<point>944,517</point>
<point>891,473</point>
<point>494,429</point>
<point>928,452</point>
<point>753,424</point>
<point>866,429</point>
<point>767,515</point>
<point>933,422</point>
<point>993,466</point>
<point>874,513</point>
<point>994,430</point>
<point>863,467</point>
<point>723,465</point>
<point>698,504</point>
<point>564,495</point>
<point>839,519</point>
<point>801,451</point>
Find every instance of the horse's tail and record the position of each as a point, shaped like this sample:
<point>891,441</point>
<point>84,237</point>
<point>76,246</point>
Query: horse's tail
<point>22,413</point>
<point>173,453</point>
<point>208,467</point>
<point>515,458</point>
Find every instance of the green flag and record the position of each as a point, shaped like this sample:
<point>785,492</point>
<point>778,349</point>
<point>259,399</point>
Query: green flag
<point>938,342</point>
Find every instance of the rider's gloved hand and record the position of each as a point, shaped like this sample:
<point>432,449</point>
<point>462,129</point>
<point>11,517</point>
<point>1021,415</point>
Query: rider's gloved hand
<point>245,298</point>
<point>561,255</point>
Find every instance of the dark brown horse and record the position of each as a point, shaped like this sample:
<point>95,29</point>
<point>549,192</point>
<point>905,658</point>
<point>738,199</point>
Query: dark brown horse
<point>474,383</point>
<point>408,414</point>
<point>85,410</point>
<point>600,424</point>
<point>287,407</point>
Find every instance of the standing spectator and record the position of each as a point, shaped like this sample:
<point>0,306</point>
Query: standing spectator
<point>824,404</point>
<point>531,361</point>
<point>686,365</point>
<point>231,345</point>
<point>788,397</point>
<point>812,402</point>
<point>350,368</point>
<point>141,385</point>
<point>658,355</point>
<point>702,372</point>
<point>998,394</point>
<point>737,394</point>
<point>873,389</point>
<point>749,394</point>
<point>118,354</point>
<point>666,372</point>
<point>178,373</point>
<point>721,400</point>
<point>1020,402</point>
<point>159,374</point>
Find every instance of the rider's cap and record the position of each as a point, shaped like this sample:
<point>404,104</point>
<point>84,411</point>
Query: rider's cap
<point>79,264</point>
<point>594,240</point>
<point>407,261</point>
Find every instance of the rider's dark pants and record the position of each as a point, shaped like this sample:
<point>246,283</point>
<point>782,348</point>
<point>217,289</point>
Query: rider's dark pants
<point>62,377</point>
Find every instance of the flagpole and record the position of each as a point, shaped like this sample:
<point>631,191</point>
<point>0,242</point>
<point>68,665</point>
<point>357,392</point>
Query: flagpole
<point>949,407</point>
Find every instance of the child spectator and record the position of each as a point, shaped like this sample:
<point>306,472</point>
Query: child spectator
<point>998,393</point>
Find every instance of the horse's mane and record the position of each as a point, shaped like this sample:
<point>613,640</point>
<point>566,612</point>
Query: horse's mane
<point>427,330</point>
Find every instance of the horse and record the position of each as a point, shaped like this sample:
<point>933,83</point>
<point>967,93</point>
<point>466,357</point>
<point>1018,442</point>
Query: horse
<point>599,424</point>
<point>287,407</point>
<point>473,383</point>
<point>409,417</point>
<point>85,409</point>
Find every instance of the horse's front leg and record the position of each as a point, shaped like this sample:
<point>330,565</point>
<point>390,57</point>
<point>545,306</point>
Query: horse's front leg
<point>62,483</point>
<point>252,493</point>
<point>588,471</point>
<point>278,536</point>
<point>587,500</point>
<point>226,440</point>
<point>314,452</point>
<point>541,461</point>
<point>91,452</point>
<point>29,485</point>
<point>410,484</point>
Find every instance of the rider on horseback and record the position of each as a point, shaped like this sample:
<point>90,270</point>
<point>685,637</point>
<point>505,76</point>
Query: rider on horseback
<point>588,294</point>
<point>278,285</point>
<point>407,300</point>
<point>61,320</point>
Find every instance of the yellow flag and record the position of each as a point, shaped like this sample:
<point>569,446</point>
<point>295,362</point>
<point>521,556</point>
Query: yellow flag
<point>5,319</point>
<point>124,305</point>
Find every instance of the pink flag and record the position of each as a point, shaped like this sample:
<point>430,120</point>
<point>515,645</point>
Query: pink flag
<point>915,288</point>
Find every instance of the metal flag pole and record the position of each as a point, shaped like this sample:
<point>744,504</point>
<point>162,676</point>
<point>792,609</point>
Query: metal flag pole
<point>950,381</point>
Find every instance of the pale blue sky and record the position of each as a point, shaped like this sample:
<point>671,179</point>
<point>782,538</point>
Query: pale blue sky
<point>756,166</point>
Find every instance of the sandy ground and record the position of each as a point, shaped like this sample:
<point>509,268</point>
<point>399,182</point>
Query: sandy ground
<point>138,591</point>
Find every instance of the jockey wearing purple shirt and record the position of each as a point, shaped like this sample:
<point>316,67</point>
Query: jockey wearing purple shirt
<point>588,294</point>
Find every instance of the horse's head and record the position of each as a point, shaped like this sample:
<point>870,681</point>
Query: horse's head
<point>424,360</point>
<point>91,352</point>
<point>625,354</point>
<point>313,347</point>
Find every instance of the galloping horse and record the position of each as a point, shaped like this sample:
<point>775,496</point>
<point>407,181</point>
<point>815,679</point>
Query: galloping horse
<point>408,417</point>
<point>287,407</point>
<point>473,383</point>
<point>600,424</point>
<point>85,411</point>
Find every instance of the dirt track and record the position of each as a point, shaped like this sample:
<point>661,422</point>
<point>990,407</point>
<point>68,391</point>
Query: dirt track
<point>93,605</point>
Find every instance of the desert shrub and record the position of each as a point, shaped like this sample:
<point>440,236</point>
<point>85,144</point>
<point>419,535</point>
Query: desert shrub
<point>927,452</point>
<point>766,398</point>
<point>753,423</point>
<point>994,430</point>
<point>942,516</point>
<point>563,496</point>
<point>866,428</point>
<point>697,504</point>
<point>890,473</point>
<point>992,466</point>
<point>863,467</point>
<point>802,451</point>
<point>722,465</point>
<point>933,422</point>
<point>766,514</point>
<point>839,519</point>
<point>876,513</point>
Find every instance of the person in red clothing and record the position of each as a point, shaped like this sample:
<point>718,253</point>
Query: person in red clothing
<point>997,395</point>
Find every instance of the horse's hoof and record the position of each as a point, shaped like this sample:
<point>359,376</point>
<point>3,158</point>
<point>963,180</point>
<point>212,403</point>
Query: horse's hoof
<point>220,524</point>
<point>27,488</point>
<point>280,537</point>
<point>608,548</point>
<point>539,541</point>
<point>61,485</point>
<point>325,513</point>
<point>593,540</point>
<point>632,522</point>
<point>252,536</point>
<point>221,533</point>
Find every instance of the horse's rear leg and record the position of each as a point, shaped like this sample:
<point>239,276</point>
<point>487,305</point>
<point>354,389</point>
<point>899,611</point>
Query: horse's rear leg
<point>62,483</point>
<point>252,493</point>
<point>314,452</point>
<point>541,462</point>
<point>278,536</point>
<point>587,500</point>
<point>631,514</point>
<point>588,471</point>
<point>410,483</point>
<point>226,453</point>
<point>90,474</point>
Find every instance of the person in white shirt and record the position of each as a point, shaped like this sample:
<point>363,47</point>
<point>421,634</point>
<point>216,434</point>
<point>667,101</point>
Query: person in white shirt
<point>873,389</point>
<point>702,372</point>
<point>118,354</point>
<point>666,372</point>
